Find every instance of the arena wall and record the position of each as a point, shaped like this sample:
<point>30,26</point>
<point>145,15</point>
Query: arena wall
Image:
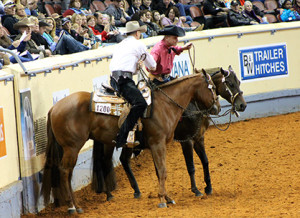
<point>28,98</point>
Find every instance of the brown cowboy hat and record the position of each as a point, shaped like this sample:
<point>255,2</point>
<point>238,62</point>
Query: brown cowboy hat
<point>25,22</point>
<point>133,26</point>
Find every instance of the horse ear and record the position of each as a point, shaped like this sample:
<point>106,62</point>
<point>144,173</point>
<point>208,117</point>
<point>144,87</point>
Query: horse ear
<point>197,71</point>
<point>223,72</point>
<point>230,68</point>
<point>204,72</point>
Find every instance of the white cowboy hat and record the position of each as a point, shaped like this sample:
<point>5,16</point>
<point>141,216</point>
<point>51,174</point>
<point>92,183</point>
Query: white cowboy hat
<point>133,26</point>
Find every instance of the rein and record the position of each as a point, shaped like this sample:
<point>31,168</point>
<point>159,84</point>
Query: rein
<point>153,87</point>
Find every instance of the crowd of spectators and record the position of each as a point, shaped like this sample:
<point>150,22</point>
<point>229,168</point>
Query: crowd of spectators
<point>33,32</point>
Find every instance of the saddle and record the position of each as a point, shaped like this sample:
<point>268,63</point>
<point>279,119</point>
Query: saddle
<point>107,101</point>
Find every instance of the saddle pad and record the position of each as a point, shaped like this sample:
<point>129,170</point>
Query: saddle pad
<point>110,105</point>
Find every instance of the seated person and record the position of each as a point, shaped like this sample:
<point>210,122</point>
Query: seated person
<point>91,22</point>
<point>20,12</point>
<point>32,7</point>
<point>135,7</point>
<point>157,19</point>
<point>218,10</point>
<point>114,35</point>
<point>37,37</point>
<point>147,4</point>
<point>296,6</point>
<point>287,12</point>
<point>152,28</point>
<point>172,17</point>
<point>114,10</point>
<point>66,26</point>
<point>236,18</point>
<point>8,20</point>
<point>249,12</point>
<point>75,7</point>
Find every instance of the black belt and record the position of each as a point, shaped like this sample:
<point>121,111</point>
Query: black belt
<point>116,74</point>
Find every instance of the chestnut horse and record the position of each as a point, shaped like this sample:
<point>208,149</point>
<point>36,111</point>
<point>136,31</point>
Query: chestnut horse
<point>70,124</point>
<point>191,128</point>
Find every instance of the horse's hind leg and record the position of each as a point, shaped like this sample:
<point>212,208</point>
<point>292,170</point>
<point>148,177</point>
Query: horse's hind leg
<point>68,163</point>
<point>187,149</point>
<point>125,160</point>
<point>200,150</point>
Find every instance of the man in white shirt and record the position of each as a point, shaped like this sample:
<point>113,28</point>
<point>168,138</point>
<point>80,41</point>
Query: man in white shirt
<point>125,62</point>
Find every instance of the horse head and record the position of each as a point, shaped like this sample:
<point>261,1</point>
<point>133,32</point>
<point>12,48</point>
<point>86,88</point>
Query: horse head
<point>212,104</point>
<point>229,89</point>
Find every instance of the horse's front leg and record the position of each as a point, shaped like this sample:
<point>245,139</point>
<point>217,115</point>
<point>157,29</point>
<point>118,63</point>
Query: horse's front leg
<point>159,158</point>
<point>200,150</point>
<point>187,149</point>
<point>125,160</point>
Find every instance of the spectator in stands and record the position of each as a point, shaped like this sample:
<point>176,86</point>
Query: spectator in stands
<point>91,21</point>
<point>24,3</point>
<point>66,25</point>
<point>85,27</point>
<point>122,5</point>
<point>219,12</point>
<point>157,18</point>
<point>135,7</point>
<point>37,37</point>
<point>114,35</point>
<point>172,17</point>
<point>236,17</point>
<point>50,32</point>
<point>152,28</point>
<point>75,7</point>
<point>25,25</point>
<point>147,4</point>
<point>296,6</point>
<point>77,19</point>
<point>1,9</point>
<point>115,11</point>
<point>32,7</point>
<point>20,12</point>
<point>287,12</point>
<point>8,20</point>
<point>7,42</point>
<point>249,12</point>
<point>99,21</point>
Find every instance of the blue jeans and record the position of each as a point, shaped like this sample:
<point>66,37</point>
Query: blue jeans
<point>183,9</point>
<point>68,45</point>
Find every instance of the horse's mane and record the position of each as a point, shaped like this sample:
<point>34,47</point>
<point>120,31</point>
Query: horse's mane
<point>172,82</point>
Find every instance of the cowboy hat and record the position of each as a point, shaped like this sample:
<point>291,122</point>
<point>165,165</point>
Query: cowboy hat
<point>42,23</point>
<point>25,22</point>
<point>172,30</point>
<point>133,26</point>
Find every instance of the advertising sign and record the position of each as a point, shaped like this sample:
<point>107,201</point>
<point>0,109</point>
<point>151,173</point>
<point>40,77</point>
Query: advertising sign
<point>2,135</point>
<point>181,66</point>
<point>27,125</point>
<point>263,61</point>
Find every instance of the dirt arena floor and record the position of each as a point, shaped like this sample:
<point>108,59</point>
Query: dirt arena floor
<point>255,172</point>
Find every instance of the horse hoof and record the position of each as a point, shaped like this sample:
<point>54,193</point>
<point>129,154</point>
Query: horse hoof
<point>171,202</point>
<point>137,195</point>
<point>208,190</point>
<point>109,198</point>
<point>71,211</point>
<point>79,210</point>
<point>162,205</point>
<point>198,194</point>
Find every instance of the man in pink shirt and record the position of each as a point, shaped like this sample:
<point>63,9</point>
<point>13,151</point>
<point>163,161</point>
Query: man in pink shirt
<point>164,53</point>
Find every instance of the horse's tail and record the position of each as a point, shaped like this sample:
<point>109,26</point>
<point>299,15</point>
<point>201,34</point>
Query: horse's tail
<point>51,175</point>
<point>104,179</point>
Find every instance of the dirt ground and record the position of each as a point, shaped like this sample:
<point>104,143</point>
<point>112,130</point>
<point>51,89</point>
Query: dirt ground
<point>255,172</point>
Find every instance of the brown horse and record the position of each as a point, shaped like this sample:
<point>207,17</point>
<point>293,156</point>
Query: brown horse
<point>71,124</point>
<point>191,128</point>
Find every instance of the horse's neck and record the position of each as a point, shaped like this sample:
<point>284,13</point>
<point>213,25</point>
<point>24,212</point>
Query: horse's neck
<point>182,91</point>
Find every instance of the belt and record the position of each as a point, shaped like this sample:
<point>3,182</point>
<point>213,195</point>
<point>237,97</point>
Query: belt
<point>116,74</point>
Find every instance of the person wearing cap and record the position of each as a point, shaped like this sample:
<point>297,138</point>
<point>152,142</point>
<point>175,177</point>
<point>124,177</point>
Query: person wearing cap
<point>125,62</point>
<point>8,20</point>
<point>236,17</point>
<point>164,53</point>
